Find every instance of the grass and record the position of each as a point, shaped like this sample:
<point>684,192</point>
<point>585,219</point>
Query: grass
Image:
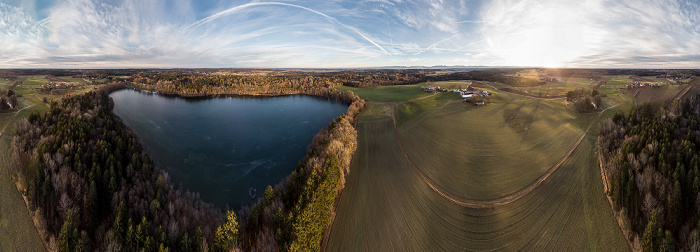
<point>486,152</point>
<point>556,89</point>
<point>661,80</point>
<point>474,152</point>
<point>71,79</point>
<point>409,110</point>
<point>659,94</point>
<point>575,80</point>
<point>376,110</point>
<point>389,93</point>
<point>550,88</point>
<point>530,74</point>
<point>35,80</point>
<point>612,90</point>
<point>619,80</point>
<point>17,231</point>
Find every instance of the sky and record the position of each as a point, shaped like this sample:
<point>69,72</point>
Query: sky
<point>349,33</point>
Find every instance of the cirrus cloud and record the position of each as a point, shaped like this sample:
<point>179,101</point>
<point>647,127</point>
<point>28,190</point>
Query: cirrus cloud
<point>344,33</point>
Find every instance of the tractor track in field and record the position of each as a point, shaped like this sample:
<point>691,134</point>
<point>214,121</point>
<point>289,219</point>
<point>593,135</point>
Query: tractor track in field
<point>684,91</point>
<point>395,103</point>
<point>487,203</point>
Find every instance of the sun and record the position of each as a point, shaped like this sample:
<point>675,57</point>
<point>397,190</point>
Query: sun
<point>537,34</point>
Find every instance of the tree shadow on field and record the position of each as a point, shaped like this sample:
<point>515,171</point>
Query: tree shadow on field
<point>529,118</point>
<point>510,115</point>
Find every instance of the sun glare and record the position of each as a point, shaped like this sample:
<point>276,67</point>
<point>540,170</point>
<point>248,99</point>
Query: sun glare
<point>537,34</point>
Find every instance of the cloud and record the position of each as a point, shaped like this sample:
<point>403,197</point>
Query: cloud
<point>592,33</point>
<point>345,33</point>
<point>244,6</point>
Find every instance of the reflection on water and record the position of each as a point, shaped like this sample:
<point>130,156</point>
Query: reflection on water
<point>222,147</point>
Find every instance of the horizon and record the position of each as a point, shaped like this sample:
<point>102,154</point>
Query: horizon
<point>185,34</point>
<point>466,68</point>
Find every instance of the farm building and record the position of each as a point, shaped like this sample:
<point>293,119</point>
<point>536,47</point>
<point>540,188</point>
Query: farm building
<point>431,89</point>
<point>641,84</point>
<point>474,95</point>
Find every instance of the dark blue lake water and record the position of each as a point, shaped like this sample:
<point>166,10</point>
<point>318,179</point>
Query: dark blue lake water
<point>222,147</point>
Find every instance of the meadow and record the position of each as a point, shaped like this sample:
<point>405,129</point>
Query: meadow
<point>17,231</point>
<point>650,95</point>
<point>487,152</point>
<point>619,80</point>
<point>556,89</point>
<point>389,93</point>
<point>407,182</point>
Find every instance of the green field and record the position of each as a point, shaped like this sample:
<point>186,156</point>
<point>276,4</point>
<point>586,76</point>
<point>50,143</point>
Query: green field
<point>575,80</point>
<point>658,94</point>
<point>556,89</point>
<point>406,193</point>
<point>661,80</point>
<point>71,79</point>
<point>408,110</point>
<point>35,80</point>
<point>486,152</point>
<point>376,110</point>
<point>389,93</point>
<point>620,80</point>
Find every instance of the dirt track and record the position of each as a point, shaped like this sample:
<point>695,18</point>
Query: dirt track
<point>495,202</point>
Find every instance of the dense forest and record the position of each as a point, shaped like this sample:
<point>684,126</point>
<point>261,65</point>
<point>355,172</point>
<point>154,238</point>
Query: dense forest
<point>650,159</point>
<point>198,85</point>
<point>89,182</point>
<point>292,215</point>
<point>91,185</point>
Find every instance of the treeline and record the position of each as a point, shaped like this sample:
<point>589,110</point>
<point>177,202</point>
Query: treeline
<point>293,215</point>
<point>370,78</point>
<point>650,158</point>
<point>187,84</point>
<point>585,100</point>
<point>8,100</point>
<point>91,186</point>
<point>194,85</point>
<point>79,73</point>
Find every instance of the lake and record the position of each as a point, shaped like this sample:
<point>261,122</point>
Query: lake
<point>222,147</point>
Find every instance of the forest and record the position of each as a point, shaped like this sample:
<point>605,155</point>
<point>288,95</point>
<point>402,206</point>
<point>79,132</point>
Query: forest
<point>585,100</point>
<point>8,100</point>
<point>650,159</point>
<point>89,182</point>
<point>294,214</point>
<point>187,84</point>
<point>92,186</point>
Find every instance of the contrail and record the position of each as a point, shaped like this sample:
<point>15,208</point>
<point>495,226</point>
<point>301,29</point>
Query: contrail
<point>470,21</point>
<point>244,6</point>
<point>436,44</point>
<point>44,21</point>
